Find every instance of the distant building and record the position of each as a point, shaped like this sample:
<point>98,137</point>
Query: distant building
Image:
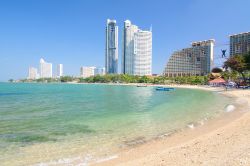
<point>87,71</point>
<point>111,48</point>
<point>128,47</point>
<point>196,60</point>
<point>137,50</point>
<point>143,53</point>
<point>99,71</point>
<point>239,43</point>
<point>59,70</point>
<point>45,69</point>
<point>33,73</point>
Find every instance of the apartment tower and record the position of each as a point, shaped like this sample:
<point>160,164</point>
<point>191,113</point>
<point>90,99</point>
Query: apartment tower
<point>136,50</point>
<point>111,48</point>
<point>239,43</point>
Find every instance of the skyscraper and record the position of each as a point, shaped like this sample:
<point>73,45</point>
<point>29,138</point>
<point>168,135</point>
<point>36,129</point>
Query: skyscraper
<point>143,53</point>
<point>45,69</point>
<point>33,74</point>
<point>137,50</point>
<point>196,60</point>
<point>111,49</point>
<point>128,47</point>
<point>99,71</point>
<point>59,70</point>
<point>239,43</point>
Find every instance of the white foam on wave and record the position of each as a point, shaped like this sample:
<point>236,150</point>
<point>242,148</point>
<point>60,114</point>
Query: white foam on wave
<point>191,126</point>
<point>107,158</point>
<point>68,161</point>
<point>230,108</point>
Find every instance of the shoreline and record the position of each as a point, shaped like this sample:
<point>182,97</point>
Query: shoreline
<point>203,145</point>
<point>202,87</point>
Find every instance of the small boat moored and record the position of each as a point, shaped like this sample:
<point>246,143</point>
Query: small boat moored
<point>164,89</point>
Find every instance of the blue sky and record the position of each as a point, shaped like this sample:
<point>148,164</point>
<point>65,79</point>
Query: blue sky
<point>72,32</point>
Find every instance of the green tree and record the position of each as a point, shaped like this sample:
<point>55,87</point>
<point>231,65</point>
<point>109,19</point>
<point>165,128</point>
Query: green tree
<point>247,60</point>
<point>11,80</point>
<point>237,63</point>
<point>229,75</point>
<point>143,79</point>
<point>217,70</point>
<point>66,79</point>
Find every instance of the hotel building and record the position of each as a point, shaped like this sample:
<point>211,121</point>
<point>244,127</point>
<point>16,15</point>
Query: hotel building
<point>87,71</point>
<point>136,50</point>
<point>59,70</point>
<point>33,74</point>
<point>239,43</point>
<point>196,60</point>
<point>45,69</point>
<point>111,48</point>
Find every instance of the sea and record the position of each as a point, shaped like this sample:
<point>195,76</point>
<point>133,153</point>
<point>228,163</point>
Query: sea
<point>78,124</point>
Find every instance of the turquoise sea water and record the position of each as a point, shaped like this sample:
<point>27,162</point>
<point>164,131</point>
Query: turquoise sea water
<point>67,123</point>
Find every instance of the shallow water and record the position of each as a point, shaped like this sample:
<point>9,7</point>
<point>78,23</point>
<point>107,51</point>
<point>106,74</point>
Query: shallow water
<point>67,123</point>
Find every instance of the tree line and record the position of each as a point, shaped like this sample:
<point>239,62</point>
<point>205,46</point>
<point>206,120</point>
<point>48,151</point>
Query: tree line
<point>237,66</point>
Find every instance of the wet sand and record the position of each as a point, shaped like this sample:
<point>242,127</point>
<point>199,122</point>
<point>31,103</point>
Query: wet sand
<point>221,141</point>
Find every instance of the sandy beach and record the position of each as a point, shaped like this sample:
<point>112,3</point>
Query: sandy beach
<point>221,141</point>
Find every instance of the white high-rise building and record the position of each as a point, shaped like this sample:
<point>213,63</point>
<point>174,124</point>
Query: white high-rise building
<point>59,70</point>
<point>137,50</point>
<point>87,71</point>
<point>111,49</point>
<point>45,69</point>
<point>128,48</point>
<point>33,74</point>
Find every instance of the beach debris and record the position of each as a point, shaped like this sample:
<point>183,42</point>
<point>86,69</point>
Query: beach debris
<point>191,126</point>
<point>230,108</point>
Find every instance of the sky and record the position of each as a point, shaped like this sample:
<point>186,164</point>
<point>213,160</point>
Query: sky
<point>72,32</point>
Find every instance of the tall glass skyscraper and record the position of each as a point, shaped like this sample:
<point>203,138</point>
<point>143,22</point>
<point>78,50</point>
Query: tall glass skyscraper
<point>137,50</point>
<point>111,49</point>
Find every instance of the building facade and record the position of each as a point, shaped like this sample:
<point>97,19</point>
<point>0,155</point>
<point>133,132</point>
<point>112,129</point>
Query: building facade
<point>33,73</point>
<point>239,43</point>
<point>136,51</point>
<point>87,71</point>
<point>99,71</point>
<point>128,47</point>
<point>196,60</point>
<point>59,70</point>
<point>111,48</point>
<point>45,69</point>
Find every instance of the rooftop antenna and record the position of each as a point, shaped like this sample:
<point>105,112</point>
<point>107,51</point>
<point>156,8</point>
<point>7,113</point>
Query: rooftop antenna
<point>151,28</point>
